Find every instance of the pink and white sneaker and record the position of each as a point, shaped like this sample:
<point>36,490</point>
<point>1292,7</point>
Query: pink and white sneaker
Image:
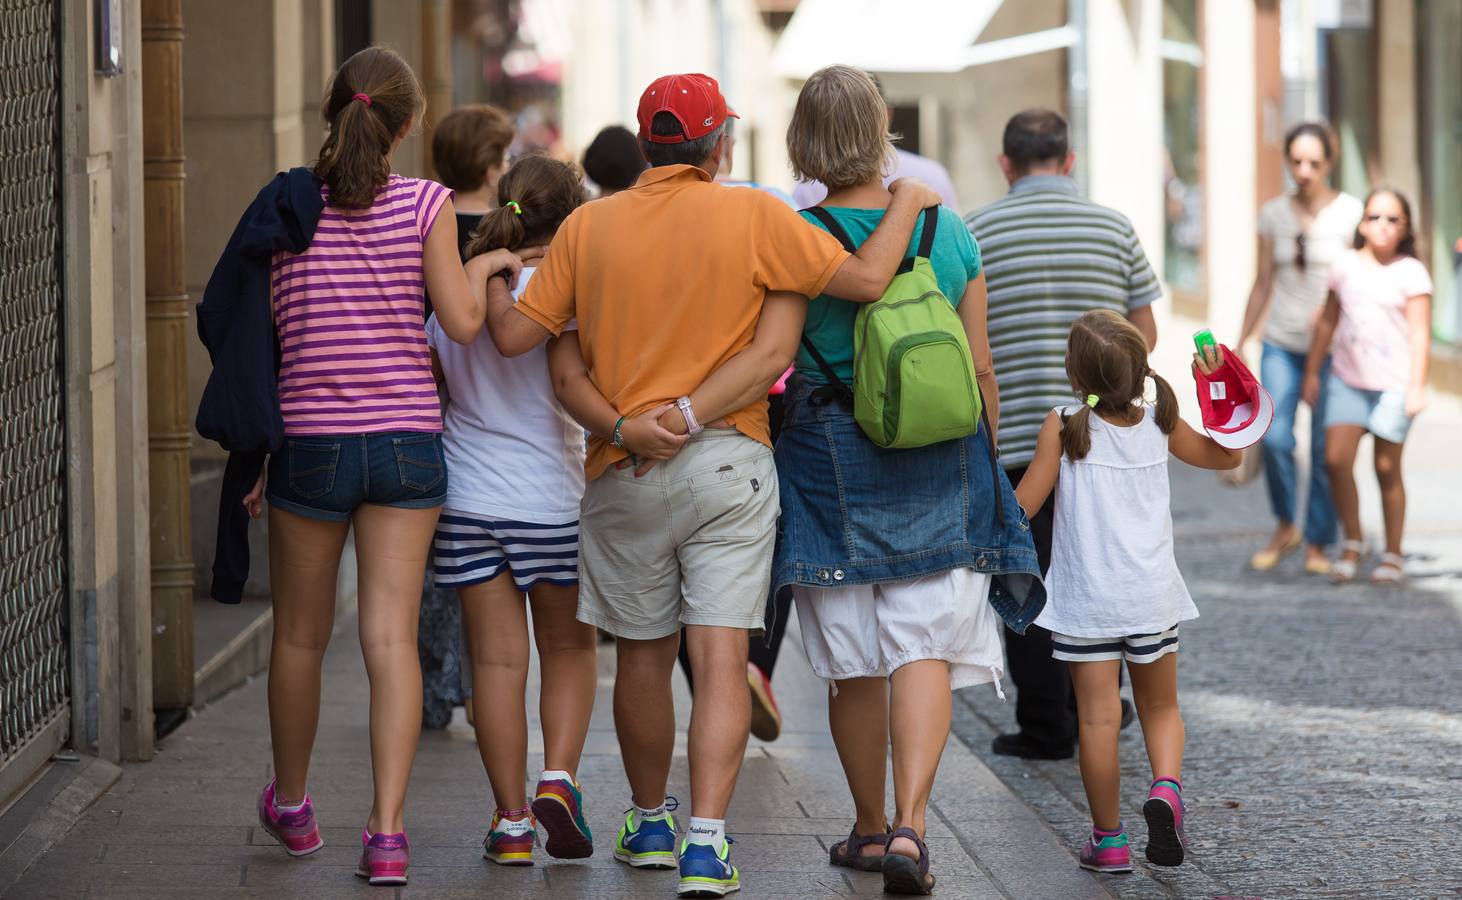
<point>1166,843</point>
<point>296,831</point>
<point>1107,851</point>
<point>384,858</point>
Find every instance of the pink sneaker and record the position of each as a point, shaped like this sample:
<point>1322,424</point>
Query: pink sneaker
<point>295,831</point>
<point>1106,852</point>
<point>384,857</point>
<point>1166,844</point>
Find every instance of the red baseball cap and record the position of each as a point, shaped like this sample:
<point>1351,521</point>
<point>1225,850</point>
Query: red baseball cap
<point>1237,411</point>
<point>694,100</point>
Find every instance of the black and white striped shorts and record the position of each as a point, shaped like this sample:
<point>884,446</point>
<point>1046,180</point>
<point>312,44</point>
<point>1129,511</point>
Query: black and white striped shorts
<point>1136,648</point>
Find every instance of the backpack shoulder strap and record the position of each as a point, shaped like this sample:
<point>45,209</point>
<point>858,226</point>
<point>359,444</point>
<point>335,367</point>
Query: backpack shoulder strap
<point>926,238</point>
<point>834,227</point>
<point>822,364</point>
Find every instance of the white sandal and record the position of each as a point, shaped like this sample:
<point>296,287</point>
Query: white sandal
<point>1344,569</point>
<point>1390,570</point>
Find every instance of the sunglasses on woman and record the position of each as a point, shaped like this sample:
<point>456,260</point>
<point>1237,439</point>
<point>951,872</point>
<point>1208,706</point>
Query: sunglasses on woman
<point>1376,217</point>
<point>1299,250</point>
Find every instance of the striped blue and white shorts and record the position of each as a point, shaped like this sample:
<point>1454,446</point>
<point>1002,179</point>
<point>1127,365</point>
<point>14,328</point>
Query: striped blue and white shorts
<point>1135,648</point>
<point>471,549</point>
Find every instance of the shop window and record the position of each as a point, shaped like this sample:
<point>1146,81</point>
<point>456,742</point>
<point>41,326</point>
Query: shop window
<point>1182,182</point>
<point>1439,23</point>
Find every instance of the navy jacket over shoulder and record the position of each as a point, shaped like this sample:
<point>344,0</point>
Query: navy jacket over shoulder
<point>240,406</point>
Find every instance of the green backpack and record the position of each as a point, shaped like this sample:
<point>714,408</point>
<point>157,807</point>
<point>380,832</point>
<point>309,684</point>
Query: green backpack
<point>913,376</point>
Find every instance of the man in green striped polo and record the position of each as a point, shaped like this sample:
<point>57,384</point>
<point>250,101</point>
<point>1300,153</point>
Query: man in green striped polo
<point>1050,255</point>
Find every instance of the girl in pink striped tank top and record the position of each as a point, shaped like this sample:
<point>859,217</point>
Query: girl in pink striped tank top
<point>362,443</point>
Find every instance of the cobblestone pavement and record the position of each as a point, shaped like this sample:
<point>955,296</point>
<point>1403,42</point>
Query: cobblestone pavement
<point>1324,724</point>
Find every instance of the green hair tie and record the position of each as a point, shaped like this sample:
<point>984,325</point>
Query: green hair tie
<point>1091,400</point>
<point>513,205</point>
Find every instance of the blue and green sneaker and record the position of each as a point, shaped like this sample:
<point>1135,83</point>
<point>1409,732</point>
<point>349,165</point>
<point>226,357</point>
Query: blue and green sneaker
<point>706,873</point>
<point>651,846</point>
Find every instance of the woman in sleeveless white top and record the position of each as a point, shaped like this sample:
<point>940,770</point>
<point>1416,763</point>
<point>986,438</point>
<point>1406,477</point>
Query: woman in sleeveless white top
<point>1113,572</point>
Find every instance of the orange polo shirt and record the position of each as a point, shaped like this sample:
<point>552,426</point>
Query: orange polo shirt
<point>666,281</point>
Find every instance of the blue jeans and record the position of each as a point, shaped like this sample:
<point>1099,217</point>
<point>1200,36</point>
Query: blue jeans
<point>1282,373</point>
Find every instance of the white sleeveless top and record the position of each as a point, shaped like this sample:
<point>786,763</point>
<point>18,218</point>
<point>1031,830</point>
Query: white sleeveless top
<point>1113,573</point>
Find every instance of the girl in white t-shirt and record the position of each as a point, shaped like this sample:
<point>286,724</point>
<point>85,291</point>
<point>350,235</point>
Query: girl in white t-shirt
<point>1114,591</point>
<point>1378,317</point>
<point>515,464</point>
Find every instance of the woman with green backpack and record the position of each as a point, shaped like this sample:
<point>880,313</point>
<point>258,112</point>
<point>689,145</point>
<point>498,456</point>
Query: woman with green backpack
<point>900,537</point>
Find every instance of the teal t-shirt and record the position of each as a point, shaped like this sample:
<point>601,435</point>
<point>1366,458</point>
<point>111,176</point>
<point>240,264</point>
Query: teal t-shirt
<point>956,261</point>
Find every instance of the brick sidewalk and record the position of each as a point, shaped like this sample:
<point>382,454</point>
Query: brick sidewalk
<point>184,824</point>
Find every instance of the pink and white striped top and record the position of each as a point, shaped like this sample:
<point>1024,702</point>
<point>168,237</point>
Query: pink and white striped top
<point>349,312</point>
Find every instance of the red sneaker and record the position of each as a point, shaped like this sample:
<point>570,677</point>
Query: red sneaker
<point>766,719</point>
<point>384,858</point>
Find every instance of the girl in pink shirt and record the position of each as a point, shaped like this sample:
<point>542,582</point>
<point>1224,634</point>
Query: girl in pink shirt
<point>1378,318</point>
<point>363,445</point>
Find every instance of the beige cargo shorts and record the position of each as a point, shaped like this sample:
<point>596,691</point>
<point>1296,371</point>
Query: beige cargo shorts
<point>689,543</point>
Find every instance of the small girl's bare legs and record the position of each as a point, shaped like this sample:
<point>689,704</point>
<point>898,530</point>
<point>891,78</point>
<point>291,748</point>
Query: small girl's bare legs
<point>1099,711</point>
<point>1342,443</point>
<point>496,621</point>
<point>1155,691</point>
<point>566,651</point>
<point>1393,493</point>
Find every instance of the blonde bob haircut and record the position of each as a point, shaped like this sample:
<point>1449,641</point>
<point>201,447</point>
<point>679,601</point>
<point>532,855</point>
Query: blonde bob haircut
<point>839,130</point>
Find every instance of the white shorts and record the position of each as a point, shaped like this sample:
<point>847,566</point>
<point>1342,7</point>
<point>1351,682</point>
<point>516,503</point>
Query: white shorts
<point>1136,648</point>
<point>870,630</point>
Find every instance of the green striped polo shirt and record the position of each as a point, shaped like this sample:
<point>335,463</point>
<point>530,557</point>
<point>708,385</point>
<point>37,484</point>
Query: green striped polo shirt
<point>1049,256</point>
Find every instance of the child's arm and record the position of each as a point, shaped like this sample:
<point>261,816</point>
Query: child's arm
<point>1320,347</point>
<point>1200,450</point>
<point>1040,476</point>
<point>1419,318</point>
<point>642,435</point>
<point>746,377</point>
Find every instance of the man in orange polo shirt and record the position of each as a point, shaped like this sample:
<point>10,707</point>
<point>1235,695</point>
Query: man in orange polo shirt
<point>669,282</point>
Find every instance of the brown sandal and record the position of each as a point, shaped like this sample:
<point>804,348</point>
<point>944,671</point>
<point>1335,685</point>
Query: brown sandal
<point>849,853</point>
<point>902,875</point>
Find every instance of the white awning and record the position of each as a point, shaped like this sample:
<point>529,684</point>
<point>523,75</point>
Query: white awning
<point>902,36</point>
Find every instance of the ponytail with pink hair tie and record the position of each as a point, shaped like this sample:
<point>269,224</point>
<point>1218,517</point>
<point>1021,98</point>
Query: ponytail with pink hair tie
<point>364,98</point>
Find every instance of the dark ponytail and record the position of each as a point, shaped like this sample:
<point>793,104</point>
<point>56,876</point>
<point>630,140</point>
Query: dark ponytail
<point>534,197</point>
<point>1076,434</point>
<point>1106,360</point>
<point>371,99</point>
<point>1167,404</point>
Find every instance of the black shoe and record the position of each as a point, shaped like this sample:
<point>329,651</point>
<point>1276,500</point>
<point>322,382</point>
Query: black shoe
<point>1019,745</point>
<point>1128,713</point>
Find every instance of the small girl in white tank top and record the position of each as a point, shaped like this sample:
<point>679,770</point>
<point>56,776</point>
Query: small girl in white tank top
<point>1114,591</point>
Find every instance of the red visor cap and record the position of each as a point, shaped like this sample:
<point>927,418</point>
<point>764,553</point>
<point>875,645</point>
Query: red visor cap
<point>694,100</point>
<point>1237,411</point>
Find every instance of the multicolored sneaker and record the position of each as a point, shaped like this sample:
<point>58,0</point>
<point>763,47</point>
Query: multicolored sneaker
<point>1106,852</point>
<point>510,840</point>
<point>1166,844</point>
<point>559,805</point>
<point>296,831</point>
<point>384,858</point>
<point>652,845</point>
<point>706,873</point>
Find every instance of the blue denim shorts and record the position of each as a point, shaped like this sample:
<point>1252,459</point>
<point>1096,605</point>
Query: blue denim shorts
<point>327,477</point>
<point>1382,413</point>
